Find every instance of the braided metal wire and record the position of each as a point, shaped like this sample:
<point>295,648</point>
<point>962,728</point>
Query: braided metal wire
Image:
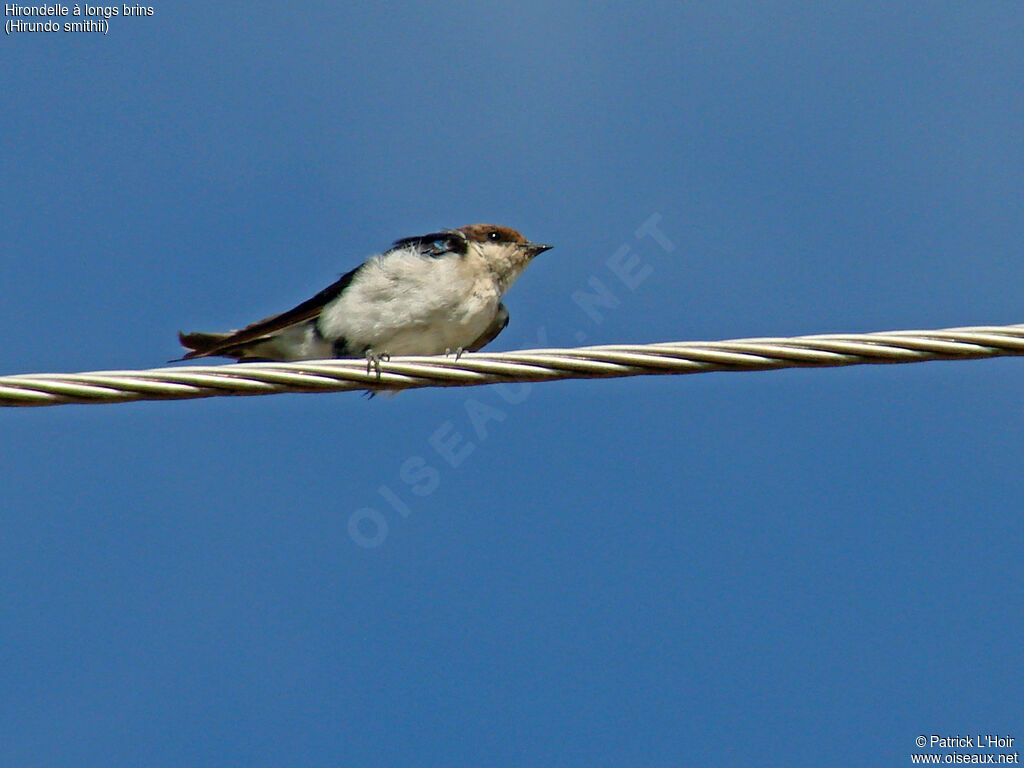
<point>609,361</point>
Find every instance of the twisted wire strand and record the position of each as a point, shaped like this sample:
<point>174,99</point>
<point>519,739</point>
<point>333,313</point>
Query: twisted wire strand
<point>608,361</point>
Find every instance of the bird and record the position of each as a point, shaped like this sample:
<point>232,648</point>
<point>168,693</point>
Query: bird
<point>433,294</point>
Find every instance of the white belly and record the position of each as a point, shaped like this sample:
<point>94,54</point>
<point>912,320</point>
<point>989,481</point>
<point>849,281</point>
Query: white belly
<point>406,304</point>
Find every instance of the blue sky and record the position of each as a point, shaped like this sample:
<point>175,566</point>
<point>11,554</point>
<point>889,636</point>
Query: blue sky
<point>790,568</point>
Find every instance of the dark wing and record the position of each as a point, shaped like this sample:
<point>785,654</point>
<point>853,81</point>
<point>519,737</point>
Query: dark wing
<point>306,310</point>
<point>435,244</point>
<point>497,326</point>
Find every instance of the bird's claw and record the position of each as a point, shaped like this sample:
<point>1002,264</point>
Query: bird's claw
<point>373,361</point>
<point>458,352</point>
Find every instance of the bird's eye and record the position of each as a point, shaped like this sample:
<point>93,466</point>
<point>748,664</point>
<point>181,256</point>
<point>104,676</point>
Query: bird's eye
<point>493,235</point>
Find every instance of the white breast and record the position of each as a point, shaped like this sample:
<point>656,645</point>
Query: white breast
<point>403,303</point>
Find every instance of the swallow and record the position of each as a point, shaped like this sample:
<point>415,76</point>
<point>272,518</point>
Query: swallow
<point>428,295</point>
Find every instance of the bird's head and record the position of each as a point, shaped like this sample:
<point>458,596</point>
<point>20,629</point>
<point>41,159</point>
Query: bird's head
<point>505,251</point>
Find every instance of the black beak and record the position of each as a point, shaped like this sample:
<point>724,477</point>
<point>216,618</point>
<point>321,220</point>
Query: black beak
<point>535,249</point>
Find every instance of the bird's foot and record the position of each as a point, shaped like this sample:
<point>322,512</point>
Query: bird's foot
<point>373,361</point>
<point>458,352</point>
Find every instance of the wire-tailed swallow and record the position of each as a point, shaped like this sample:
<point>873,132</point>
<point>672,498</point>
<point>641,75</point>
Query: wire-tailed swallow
<point>428,295</point>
